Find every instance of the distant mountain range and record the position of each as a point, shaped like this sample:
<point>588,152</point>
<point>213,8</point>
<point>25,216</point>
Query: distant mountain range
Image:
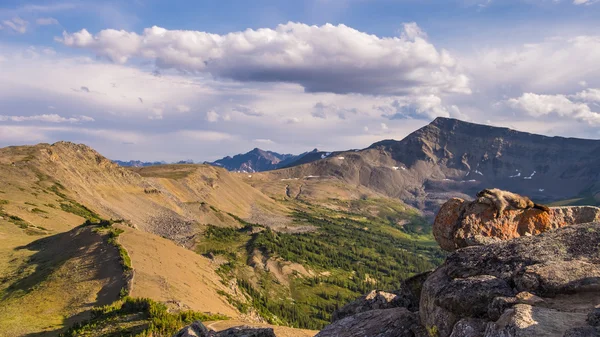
<point>139,163</point>
<point>259,160</point>
<point>256,160</point>
<point>446,158</point>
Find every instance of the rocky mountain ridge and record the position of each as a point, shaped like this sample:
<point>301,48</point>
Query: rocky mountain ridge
<point>451,158</point>
<point>258,160</point>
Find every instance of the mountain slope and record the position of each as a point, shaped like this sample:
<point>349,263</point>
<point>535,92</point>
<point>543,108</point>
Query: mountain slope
<point>450,158</point>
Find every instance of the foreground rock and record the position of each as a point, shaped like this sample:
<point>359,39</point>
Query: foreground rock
<point>394,322</point>
<point>197,329</point>
<point>461,223</point>
<point>545,285</point>
<point>408,296</point>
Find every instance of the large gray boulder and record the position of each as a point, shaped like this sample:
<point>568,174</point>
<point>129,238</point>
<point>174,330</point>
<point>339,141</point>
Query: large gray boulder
<point>394,322</point>
<point>197,329</point>
<point>545,285</point>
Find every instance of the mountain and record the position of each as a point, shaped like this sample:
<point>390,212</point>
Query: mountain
<point>259,160</point>
<point>138,163</point>
<point>449,157</point>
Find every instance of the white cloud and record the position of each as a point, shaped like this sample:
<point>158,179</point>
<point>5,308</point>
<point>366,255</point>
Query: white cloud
<point>588,95</point>
<point>16,24</point>
<point>293,120</point>
<point>46,21</point>
<point>325,58</point>
<point>584,2</point>
<point>384,126</point>
<point>555,64</point>
<point>325,110</point>
<point>183,108</point>
<point>50,118</point>
<point>264,141</point>
<point>248,111</point>
<point>421,107</point>
<point>559,105</point>
<point>212,116</point>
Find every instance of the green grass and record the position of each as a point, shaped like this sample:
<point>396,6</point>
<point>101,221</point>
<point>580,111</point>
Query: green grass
<point>139,317</point>
<point>28,228</point>
<point>78,209</point>
<point>71,206</point>
<point>105,226</point>
<point>4,202</point>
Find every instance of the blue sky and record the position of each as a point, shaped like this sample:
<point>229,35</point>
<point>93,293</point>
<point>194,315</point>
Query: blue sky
<point>214,78</point>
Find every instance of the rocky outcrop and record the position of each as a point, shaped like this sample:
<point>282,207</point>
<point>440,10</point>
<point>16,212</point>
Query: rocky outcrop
<point>544,285</point>
<point>461,223</point>
<point>394,322</point>
<point>197,329</point>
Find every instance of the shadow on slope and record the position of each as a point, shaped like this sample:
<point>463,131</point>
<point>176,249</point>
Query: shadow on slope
<point>68,274</point>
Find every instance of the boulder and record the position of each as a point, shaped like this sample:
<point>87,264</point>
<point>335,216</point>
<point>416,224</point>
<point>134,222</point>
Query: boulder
<point>196,329</point>
<point>540,285</point>
<point>394,322</point>
<point>524,320</point>
<point>461,223</point>
<point>469,327</point>
<point>373,300</point>
<point>245,331</point>
<point>408,296</point>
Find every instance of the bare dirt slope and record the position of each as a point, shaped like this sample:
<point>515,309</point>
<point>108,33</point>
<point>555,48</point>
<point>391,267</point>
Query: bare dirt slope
<point>169,273</point>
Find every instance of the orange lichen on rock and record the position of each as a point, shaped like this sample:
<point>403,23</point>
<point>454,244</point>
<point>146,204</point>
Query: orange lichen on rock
<point>461,223</point>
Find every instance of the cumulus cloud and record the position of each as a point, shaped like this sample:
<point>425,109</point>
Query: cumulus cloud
<point>212,116</point>
<point>560,105</point>
<point>16,24</point>
<point>50,118</point>
<point>384,126</point>
<point>588,95</point>
<point>326,58</point>
<point>248,111</point>
<point>323,110</point>
<point>46,21</point>
<point>419,107</point>
<point>183,108</point>
<point>584,2</point>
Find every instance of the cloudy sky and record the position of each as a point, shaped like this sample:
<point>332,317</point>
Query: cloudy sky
<point>171,80</point>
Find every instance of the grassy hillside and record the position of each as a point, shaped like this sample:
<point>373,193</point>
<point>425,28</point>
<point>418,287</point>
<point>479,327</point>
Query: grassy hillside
<point>193,240</point>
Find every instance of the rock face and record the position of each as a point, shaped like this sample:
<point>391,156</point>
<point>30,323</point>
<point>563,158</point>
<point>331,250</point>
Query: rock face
<point>461,223</point>
<point>197,329</point>
<point>544,285</point>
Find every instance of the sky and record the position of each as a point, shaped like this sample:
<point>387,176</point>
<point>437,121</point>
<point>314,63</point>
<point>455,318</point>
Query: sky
<point>171,80</point>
